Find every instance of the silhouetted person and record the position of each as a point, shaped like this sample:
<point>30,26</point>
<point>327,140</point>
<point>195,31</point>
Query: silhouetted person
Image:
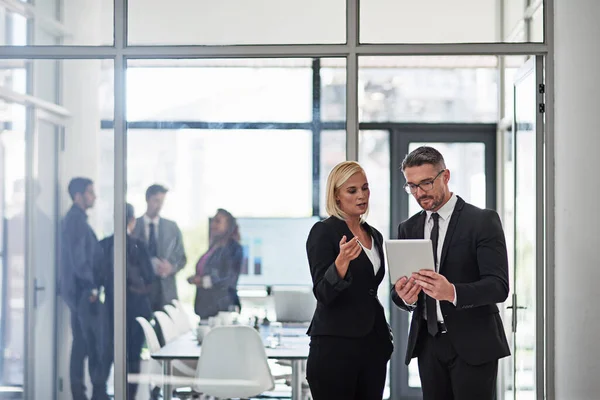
<point>139,284</point>
<point>80,258</point>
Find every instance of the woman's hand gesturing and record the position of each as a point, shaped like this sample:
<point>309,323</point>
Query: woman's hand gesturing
<point>349,250</point>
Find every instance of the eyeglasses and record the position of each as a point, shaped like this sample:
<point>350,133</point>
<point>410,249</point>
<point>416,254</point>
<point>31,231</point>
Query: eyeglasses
<point>425,186</point>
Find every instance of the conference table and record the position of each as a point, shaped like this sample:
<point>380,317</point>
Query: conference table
<point>293,346</point>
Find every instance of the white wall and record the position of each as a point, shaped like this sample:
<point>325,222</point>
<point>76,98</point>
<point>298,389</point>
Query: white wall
<point>308,21</point>
<point>236,21</point>
<point>577,144</point>
<point>431,21</point>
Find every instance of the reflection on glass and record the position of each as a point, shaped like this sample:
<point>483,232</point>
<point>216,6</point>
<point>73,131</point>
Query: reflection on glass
<point>49,246</point>
<point>525,239</point>
<point>333,89</point>
<point>427,89</point>
<point>12,300</point>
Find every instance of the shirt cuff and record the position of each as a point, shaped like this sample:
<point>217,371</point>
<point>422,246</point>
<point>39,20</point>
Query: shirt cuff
<point>413,305</point>
<point>454,301</point>
<point>339,284</point>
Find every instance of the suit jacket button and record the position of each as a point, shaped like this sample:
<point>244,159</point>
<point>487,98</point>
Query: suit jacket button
<point>372,292</point>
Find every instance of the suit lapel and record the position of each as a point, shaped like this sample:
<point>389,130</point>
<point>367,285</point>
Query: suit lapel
<point>418,231</point>
<point>162,239</point>
<point>451,228</point>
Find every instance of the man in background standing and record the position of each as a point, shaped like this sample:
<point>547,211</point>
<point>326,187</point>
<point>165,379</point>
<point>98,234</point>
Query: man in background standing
<point>80,262</point>
<point>165,247</point>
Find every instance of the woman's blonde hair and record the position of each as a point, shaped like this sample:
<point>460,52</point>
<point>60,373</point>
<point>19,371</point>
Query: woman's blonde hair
<point>337,177</point>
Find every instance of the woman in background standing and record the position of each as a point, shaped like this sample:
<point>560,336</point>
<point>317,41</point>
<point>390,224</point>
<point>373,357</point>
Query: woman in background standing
<point>218,269</point>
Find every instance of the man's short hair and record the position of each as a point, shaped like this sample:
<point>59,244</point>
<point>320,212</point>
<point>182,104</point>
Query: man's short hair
<point>423,155</point>
<point>129,213</point>
<point>79,185</point>
<point>155,189</point>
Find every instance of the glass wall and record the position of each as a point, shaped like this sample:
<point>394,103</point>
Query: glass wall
<point>242,108</point>
<point>53,264</point>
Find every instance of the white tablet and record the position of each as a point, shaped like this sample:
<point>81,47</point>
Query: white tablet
<point>405,256</point>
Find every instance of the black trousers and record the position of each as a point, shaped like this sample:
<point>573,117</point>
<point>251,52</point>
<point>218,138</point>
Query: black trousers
<point>340,368</point>
<point>135,342</point>
<point>80,350</point>
<point>445,376</point>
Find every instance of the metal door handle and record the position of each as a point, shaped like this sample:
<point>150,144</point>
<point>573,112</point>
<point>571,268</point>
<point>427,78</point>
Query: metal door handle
<point>36,289</point>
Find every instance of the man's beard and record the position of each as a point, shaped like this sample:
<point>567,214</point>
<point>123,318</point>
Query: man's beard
<point>435,203</point>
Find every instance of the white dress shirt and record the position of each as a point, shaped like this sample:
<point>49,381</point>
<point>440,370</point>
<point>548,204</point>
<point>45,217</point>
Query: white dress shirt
<point>147,221</point>
<point>373,255</point>
<point>445,213</point>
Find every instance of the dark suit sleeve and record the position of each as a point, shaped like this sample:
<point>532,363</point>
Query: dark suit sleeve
<point>322,252</point>
<point>395,298</point>
<point>81,251</point>
<point>492,260</point>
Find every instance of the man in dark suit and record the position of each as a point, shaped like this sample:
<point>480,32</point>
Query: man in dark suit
<point>80,262</point>
<point>456,331</point>
<point>164,242</point>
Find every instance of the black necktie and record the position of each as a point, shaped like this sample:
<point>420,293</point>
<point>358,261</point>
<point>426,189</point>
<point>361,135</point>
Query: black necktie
<point>152,245</point>
<point>432,326</point>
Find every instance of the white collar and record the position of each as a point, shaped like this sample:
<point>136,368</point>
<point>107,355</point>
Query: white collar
<point>149,220</point>
<point>447,209</point>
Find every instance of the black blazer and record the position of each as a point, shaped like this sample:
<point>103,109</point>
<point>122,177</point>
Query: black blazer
<point>474,259</point>
<point>346,307</point>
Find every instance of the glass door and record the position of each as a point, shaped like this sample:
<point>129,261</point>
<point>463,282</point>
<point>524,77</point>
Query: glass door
<point>470,154</point>
<point>525,238</point>
<point>28,187</point>
<point>43,208</point>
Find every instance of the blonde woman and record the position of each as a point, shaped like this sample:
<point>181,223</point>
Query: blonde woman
<point>350,339</point>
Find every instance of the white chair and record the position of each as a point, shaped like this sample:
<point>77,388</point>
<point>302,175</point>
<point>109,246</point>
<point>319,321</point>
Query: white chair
<point>167,326</point>
<point>155,373</point>
<point>169,331</point>
<point>152,343</point>
<point>191,318</point>
<point>233,364</point>
<point>181,321</point>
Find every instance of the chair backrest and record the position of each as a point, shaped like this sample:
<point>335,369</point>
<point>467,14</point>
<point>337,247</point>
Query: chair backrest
<point>234,352</point>
<point>192,319</point>
<point>151,339</point>
<point>294,304</point>
<point>179,318</point>
<point>167,326</point>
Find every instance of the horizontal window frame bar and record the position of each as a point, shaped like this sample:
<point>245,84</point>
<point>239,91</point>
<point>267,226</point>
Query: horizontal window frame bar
<point>330,125</point>
<point>204,125</point>
<point>270,51</point>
